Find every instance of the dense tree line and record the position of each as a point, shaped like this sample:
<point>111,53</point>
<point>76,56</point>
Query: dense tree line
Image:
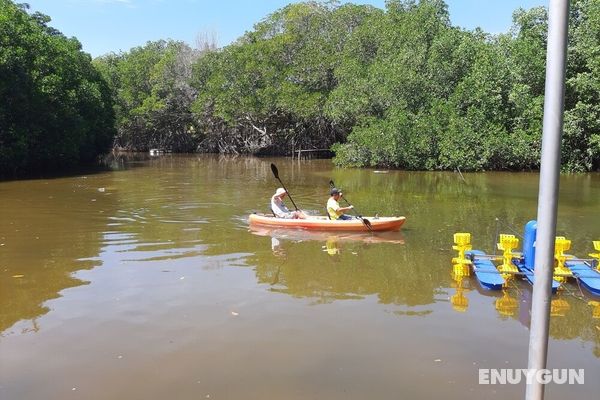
<point>151,88</point>
<point>458,99</point>
<point>399,87</point>
<point>56,110</point>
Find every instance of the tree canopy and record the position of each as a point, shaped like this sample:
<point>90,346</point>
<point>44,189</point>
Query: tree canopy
<point>153,96</point>
<point>397,87</point>
<point>56,109</point>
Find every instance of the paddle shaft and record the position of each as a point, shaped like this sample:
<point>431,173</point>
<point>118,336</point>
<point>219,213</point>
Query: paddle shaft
<point>364,220</point>
<point>276,173</point>
<point>345,199</point>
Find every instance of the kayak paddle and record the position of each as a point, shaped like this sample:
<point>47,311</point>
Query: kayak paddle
<point>364,220</point>
<point>276,173</point>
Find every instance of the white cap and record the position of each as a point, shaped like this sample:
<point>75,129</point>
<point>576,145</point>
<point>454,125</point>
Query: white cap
<point>279,192</point>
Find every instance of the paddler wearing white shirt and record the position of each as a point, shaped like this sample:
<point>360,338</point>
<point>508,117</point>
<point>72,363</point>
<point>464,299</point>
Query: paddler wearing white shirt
<point>279,208</point>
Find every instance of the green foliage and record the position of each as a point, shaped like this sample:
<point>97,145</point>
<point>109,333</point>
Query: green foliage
<point>268,92</point>
<point>467,100</point>
<point>56,109</point>
<point>399,87</point>
<point>581,150</point>
<point>152,95</point>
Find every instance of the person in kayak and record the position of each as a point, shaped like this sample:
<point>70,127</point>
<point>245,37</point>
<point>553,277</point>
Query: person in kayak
<point>280,210</point>
<point>333,206</point>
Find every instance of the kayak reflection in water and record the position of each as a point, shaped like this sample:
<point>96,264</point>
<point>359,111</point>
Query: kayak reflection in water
<point>332,247</point>
<point>277,248</point>
<point>280,210</point>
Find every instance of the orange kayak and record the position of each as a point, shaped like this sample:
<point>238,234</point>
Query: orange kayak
<point>325,224</point>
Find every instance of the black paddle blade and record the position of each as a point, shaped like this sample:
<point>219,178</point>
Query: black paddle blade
<point>275,171</point>
<point>367,224</point>
<point>331,184</point>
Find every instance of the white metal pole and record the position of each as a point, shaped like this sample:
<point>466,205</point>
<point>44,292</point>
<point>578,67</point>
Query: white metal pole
<point>548,191</point>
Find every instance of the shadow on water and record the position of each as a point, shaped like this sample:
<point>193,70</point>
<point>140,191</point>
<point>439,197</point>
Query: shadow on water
<point>89,169</point>
<point>113,161</point>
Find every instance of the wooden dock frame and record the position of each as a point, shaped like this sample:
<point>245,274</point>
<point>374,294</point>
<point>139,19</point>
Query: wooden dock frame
<point>298,153</point>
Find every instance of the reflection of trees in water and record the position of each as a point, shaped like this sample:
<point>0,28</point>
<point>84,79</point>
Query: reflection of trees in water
<point>574,320</point>
<point>359,270</point>
<point>47,227</point>
<point>182,206</point>
<point>22,299</point>
<point>572,316</point>
<point>442,203</point>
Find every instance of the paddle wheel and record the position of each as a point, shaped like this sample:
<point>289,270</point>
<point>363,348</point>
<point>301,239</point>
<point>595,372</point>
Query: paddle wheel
<point>510,264</point>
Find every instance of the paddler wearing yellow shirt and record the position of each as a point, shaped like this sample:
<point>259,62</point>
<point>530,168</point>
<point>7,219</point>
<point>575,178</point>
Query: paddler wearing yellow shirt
<point>333,206</point>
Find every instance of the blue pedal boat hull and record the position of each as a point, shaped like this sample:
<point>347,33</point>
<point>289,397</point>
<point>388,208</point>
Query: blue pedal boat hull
<point>485,271</point>
<point>587,275</point>
<point>530,275</point>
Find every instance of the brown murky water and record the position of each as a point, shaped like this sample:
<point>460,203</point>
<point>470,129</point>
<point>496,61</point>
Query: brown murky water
<point>146,283</point>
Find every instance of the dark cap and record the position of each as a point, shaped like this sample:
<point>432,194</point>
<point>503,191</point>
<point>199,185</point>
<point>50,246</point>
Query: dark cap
<point>335,191</point>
